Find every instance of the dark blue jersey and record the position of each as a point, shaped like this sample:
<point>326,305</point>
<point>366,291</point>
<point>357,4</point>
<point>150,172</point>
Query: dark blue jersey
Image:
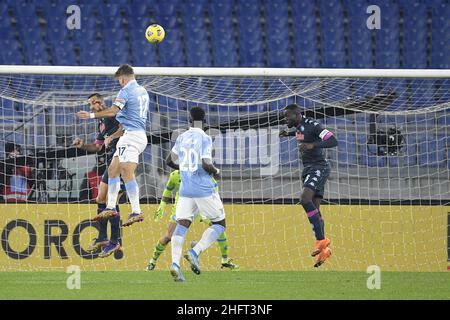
<point>311,131</point>
<point>106,127</point>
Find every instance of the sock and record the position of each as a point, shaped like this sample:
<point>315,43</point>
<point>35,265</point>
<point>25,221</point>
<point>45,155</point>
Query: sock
<point>315,218</point>
<point>177,243</point>
<point>209,237</point>
<point>222,241</point>
<point>115,227</point>
<point>103,224</point>
<point>113,191</point>
<point>159,248</point>
<point>133,194</point>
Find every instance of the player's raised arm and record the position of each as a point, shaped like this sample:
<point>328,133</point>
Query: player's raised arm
<point>92,147</point>
<point>107,113</point>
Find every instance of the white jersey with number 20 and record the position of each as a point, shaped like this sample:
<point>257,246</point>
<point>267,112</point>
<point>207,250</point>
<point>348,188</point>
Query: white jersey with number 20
<point>191,147</point>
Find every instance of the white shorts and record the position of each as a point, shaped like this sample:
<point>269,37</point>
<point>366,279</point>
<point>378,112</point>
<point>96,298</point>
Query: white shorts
<point>130,146</point>
<point>211,208</point>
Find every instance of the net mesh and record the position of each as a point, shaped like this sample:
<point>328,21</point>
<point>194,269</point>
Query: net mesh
<point>383,201</point>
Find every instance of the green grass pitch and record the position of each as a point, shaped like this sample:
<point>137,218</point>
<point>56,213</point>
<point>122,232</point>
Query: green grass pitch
<point>225,285</point>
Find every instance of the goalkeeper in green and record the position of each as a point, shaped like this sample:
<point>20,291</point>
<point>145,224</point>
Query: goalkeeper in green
<point>174,184</point>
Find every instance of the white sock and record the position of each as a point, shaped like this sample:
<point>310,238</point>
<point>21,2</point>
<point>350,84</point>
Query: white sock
<point>208,238</point>
<point>133,194</point>
<point>113,191</point>
<point>177,240</point>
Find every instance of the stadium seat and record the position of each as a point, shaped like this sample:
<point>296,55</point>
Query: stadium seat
<point>415,42</point>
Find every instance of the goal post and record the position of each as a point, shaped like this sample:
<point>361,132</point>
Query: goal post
<point>386,201</point>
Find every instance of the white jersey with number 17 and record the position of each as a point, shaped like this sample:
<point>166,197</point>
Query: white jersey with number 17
<point>191,147</point>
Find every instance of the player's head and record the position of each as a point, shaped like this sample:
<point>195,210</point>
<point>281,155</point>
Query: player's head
<point>197,116</point>
<point>293,115</point>
<point>124,74</point>
<point>95,101</point>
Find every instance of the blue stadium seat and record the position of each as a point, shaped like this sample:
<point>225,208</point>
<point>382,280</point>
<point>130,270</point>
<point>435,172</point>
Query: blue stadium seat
<point>139,9</point>
<point>415,41</point>
<point>305,41</point>
<point>12,57</point>
<point>277,33</point>
<point>440,37</point>
<point>194,7</point>
<point>144,54</point>
<point>220,8</point>
<point>224,53</point>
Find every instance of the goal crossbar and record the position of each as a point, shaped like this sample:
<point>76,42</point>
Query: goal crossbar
<point>225,72</point>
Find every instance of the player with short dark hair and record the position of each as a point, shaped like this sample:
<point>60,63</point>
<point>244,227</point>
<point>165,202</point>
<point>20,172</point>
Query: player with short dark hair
<point>198,194</point>
<point>131,110</point>
<point>312,138</point>
<point>106,127</point>
<point>172,185</point>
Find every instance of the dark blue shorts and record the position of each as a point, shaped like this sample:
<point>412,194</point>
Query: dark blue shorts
<point>314,178</point>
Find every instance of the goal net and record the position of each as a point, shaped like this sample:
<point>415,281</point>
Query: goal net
<point>384,204</point>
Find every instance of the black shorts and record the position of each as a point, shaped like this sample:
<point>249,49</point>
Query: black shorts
<point>314,178</point>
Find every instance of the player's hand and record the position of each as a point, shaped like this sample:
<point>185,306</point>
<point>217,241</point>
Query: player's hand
<point>82,115</point>
<point>107,142</point>
<point>217,175</point>
<point>159,213</point>
<point>283,133</point>
<point>305,146</point>
<point>78,142</point>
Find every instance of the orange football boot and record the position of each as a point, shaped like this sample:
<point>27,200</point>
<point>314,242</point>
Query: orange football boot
<point>320,245</point>
<point>324,255</point>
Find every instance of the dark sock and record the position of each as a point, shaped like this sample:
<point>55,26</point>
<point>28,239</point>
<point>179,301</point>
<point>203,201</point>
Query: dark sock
<point>102,234</point>
<point>315,218</point>
<point>115,227</point>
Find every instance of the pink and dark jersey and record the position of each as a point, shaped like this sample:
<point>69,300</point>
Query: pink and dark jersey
<point>106,127</point>
<point>311,131</point>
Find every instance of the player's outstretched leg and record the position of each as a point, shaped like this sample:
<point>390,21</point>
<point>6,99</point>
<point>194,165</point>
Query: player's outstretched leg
<point>160,247</point>
<point>209,237</point>
<point>114,244</point>
<point>227,263</point>
<point>316,220</point>
<point>102,240</point>
<point>177,240</point>
<point>132,188</point>
<point>113,193</point>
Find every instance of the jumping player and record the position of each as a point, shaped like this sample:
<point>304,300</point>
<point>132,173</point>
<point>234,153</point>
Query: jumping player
<point>131,108</point>
<point>312,138</point>
<point>107,126</point>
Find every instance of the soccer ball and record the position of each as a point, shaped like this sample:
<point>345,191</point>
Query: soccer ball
<point>155,33</point>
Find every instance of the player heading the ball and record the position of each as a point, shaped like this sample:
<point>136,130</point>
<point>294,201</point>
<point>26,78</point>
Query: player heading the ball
<point>312,138</point>
<point>198,193</point>
<point>130,109</point>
